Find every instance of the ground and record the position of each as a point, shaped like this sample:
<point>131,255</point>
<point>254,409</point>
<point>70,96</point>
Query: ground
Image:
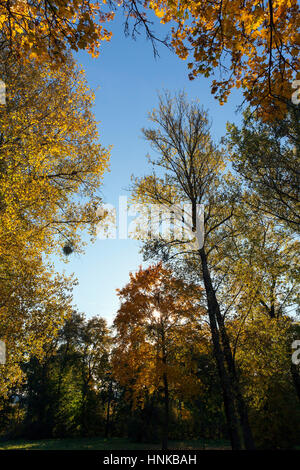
<point>98,443</point>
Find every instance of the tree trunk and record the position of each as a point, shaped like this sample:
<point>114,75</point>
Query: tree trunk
<point>84,426</point>
<point>166,393</point>
<point>241,405</point>
<point>107,422</point>
<point>229,379</point>
<point>166,420</point>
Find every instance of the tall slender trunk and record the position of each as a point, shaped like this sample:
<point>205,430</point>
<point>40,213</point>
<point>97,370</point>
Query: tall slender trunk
<point>107,422</point>
<point>241,405</point>
<point>84,393</point>
<point>229,380</point>
<point>166,418</point>
<point>165,435</point>
<point>228,396</point>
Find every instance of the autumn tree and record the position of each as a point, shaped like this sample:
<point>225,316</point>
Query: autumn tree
<point>257,280</point>
<point>253,45</point>
<point>47,29</point>
<point>35,301</point>
<point>192,170</point>
<point>267,260</point>
<point>266,155</point>
<point>51,167</point>
<point>260,278</point>
<point>263,351</point>
<point>157,327</point>
<point>51,162</point>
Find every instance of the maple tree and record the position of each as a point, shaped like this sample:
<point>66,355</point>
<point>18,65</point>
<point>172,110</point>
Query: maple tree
<point>157,327</point>
<point>253,44</point>
<point>48,28</point>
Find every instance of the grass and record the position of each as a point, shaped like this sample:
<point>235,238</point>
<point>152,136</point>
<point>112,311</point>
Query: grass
<point>98,443</point>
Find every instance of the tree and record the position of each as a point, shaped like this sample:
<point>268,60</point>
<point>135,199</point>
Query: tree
<point>62,392</point>
<point>51,163</point>
<point>51,167</point>
<point>263,351</point>
<point>192,171</point>
<point>46,29</point>
<point>255,46</point>
<point>95,351</point>
<point>266,155</point>
<point>157,327</point>
<point>34,304</point>
<point>260,281</point>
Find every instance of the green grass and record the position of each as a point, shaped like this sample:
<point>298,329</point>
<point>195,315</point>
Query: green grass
<point>98,443</point>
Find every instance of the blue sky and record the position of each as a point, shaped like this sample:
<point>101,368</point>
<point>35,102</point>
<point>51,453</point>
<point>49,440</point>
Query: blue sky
<point>126,78</point>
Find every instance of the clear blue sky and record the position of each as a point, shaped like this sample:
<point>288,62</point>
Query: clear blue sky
<point>126,78</point>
